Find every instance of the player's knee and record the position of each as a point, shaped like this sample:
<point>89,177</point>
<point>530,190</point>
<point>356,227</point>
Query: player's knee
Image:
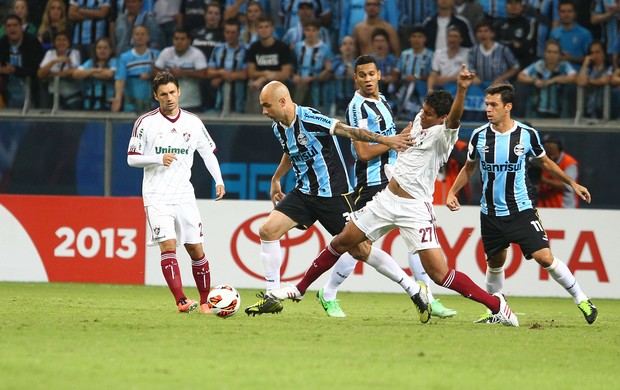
<point>268,232</point>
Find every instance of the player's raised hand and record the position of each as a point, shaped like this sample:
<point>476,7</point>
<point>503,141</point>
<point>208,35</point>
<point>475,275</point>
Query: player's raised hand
<point>400,142</point>
<point>220,191</point>
<point>465,77</point>
<point>452,202</point>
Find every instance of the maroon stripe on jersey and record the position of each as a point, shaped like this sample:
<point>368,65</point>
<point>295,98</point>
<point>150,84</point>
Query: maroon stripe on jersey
<point>134,153</point>
<point>140,119</point>
<point>172,120</point>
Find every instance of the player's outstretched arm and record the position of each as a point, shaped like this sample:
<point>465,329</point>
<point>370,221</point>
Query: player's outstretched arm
<point>400,142</point>
<point>463,81</point>
<point>550,166</point>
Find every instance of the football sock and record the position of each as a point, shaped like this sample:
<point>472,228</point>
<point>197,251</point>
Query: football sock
<point>170,269</point>
<point>419,273</point>
<point>561,274</point>
<point>494,279</point>
<point>271,256</point>
<point>342,269</point>
<point>324,261</point>
<point>202,276</point>
<point>461,283</point>
<point>386,266</point>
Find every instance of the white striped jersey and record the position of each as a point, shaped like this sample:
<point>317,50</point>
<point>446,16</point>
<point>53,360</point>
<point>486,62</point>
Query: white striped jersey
<point>156,134</point>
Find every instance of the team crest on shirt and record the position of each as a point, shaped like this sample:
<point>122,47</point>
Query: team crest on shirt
<point>302,139</point>
<point>156,231</point>
<point>519,149</point>
<point>186,136</point>
<point>379,118</point>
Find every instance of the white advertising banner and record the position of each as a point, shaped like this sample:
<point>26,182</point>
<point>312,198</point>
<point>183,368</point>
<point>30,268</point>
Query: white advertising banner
<point>584,239</point>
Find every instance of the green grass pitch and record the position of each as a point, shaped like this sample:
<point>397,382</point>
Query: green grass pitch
<point>87,336</point>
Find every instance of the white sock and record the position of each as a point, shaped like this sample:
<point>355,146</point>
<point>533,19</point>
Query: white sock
<point>495,279</point>
<point>386,265</point>
<point>419,273</point>
<point>271,256</point>
<point>561,274</point>
<point>342,269</point>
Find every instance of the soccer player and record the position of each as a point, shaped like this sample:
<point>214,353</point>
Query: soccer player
<point>369,110</point>
<point>163,142</point>
<point>406,204</point>
<point>500,148</point>
<point>322,191</point>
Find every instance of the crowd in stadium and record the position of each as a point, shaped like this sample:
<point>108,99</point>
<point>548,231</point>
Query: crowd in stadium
<point>102,54</point>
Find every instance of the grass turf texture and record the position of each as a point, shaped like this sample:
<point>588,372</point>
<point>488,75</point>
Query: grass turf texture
<point>59,336</point>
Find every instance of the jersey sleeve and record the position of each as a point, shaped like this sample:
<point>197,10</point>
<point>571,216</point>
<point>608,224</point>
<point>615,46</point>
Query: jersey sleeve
<point>318,121</point>
<point>205,145</point>
<point>536,147</point>
<point>137,140</point>
<point>472,151</point>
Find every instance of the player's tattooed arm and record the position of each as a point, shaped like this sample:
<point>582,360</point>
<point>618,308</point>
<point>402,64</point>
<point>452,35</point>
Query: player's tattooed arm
<point>399,142</point>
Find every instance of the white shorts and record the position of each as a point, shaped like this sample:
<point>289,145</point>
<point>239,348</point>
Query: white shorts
<point>414,218</point>
<point>180,222</point>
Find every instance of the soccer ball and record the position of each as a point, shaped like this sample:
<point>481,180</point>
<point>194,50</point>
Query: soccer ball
<point>223,301</point>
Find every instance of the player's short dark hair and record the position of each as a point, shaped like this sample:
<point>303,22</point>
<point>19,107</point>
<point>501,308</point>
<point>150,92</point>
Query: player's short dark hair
<point>163,78</point>
<point>440,100</point>
<point>365,59</point>
<point>505,90</point>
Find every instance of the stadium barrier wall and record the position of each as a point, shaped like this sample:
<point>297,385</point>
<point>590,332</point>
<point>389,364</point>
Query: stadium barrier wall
<point>103,240</point>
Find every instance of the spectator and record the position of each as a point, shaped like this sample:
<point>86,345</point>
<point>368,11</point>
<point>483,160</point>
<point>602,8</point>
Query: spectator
<point>494,9</point>
<point>134,15</point>
<point>20,55</point>
<point>446,63</point>
<point>54,19</point>
<point>20,8</point>
<point>436,27</point>
<point>471,10</point>
<point>492,62</point>
<point>549,75</point>
<point>343,67</point>
<point>362,33</point>
<point>574,39</point>
<point>607,15</point>
<point>290,8</point>
<point>188,65</point>
<point>615,93</point>
<point>551,191</point>
<point>228,65</point>
<point>594,75</point>
<point>168,17</point>
<point>97,75</point>
<point>354,11</point>
<point>193,14</point>
<point>543,13</point>
<point>132,80</point>
<point>412,70</point>
<point>268,59</point>
<point>210,35</point>
<point>238,8</point>
<point>305,14</point>
<point>312,78</point>
<point>518,33</point>
<point>61,61</point>
<point>90,22</point>
<point>249,30</point>
<point>386,62</point>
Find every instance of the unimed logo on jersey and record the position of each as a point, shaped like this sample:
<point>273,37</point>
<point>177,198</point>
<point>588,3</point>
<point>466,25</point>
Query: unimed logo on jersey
<point>170,149</point>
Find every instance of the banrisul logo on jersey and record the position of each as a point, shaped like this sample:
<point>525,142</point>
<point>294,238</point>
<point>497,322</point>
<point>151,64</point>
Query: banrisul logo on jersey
<point>506,167</point>
<point>170,149</point>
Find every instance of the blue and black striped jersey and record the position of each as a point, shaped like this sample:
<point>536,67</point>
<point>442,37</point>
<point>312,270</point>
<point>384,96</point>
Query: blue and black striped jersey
<point>376,116</point>
<point>315,154</point>
<point>503,158</point>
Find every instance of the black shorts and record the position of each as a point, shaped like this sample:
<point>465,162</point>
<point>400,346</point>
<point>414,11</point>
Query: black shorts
<point>364,194</point>
<point>523,228</point>
<point>331,212</point>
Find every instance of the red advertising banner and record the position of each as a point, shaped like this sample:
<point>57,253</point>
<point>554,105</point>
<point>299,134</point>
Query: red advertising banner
<point>81,239</point>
